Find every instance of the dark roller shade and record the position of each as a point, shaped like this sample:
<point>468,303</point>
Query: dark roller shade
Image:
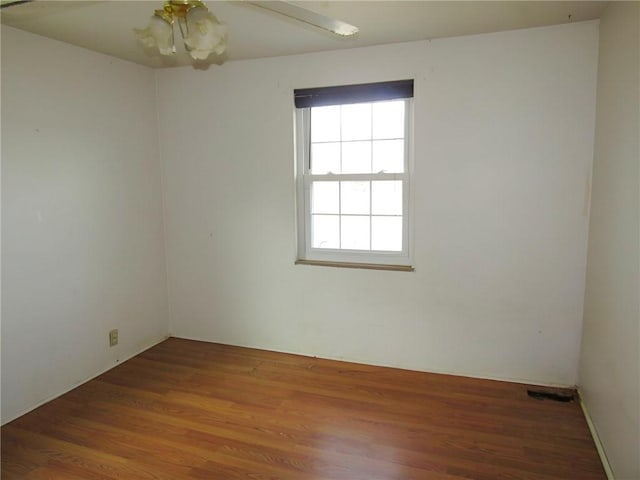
<point>365,92</point>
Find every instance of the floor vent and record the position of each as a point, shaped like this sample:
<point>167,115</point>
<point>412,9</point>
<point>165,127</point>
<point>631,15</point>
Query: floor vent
<point>557,397</point>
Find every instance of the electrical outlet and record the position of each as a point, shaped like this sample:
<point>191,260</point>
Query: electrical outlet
<point>113,337</point>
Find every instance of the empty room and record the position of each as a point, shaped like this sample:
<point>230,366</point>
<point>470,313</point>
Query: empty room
<point>340,240</point>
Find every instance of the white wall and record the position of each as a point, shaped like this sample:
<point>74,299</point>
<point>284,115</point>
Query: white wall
<point>503,151</point>
<point>610,360</point>
<point>82,231</point>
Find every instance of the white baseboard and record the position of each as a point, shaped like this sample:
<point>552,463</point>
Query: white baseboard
<point>412,368</point>
<point>596,440</point>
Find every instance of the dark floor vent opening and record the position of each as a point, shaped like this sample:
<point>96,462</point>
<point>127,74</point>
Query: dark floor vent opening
<point>558,397</point>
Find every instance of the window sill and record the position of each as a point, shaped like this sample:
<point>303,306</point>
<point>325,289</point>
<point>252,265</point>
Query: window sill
<point>367,266</point>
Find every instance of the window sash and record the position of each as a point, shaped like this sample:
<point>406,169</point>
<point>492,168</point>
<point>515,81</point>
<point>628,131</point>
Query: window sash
<point>312,252</point>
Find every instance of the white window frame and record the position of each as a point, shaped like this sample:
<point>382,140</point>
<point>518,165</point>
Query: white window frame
<point>304,178</point>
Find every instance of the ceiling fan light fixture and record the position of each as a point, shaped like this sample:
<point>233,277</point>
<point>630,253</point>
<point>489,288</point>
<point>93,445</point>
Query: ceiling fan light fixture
<point>201,32</point>
<point>205,34</point>
<point>158,34</point>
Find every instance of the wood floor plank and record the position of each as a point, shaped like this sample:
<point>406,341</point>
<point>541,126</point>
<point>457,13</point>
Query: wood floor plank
<point>197,410</point>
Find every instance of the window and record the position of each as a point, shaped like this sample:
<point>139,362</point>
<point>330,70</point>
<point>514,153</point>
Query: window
<point>353,173</point>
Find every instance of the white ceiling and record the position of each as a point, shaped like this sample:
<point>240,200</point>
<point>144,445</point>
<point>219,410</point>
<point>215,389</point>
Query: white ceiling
<point>107,26</point>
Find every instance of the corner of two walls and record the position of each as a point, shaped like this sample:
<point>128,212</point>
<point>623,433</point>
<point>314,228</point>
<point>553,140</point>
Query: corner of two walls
<point>609,378</point>
<point>163,200</point>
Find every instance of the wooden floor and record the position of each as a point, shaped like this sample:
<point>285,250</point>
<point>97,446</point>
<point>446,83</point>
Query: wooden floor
<point>196,410</point>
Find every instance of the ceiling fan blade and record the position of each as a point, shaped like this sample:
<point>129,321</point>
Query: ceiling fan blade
<point>307,16</point>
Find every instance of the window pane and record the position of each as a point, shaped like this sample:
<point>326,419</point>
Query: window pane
<point>356,121</point>
<point>325,124</point>
<point>356,157</point>
<point>325,231</point>
<point>386,197</point>
<point>388,156</point>
<point>388,119</point>
<point>355,233</point>
<point>354,198</point>
<point>325,158</point>
<point>325,197</point>
<point>386,233</point>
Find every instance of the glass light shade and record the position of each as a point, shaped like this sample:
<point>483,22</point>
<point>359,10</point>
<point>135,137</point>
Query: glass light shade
<point>206,35</point>
<point>159,33</point>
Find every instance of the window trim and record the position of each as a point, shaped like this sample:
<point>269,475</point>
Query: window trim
<point>308,255</point>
